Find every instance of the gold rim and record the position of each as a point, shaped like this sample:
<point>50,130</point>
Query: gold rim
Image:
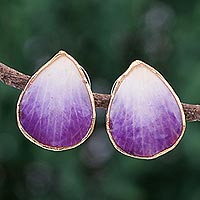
<point>118,83</point>
<point>25,133</point>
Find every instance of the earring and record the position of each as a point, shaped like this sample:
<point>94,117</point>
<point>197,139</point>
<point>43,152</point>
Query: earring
<point>145,118</point>
<point>56,109</point>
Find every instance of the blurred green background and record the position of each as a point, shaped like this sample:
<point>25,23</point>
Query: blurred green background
<point>104,37</point>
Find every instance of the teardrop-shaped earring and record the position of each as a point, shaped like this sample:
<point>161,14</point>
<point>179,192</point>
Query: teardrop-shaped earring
<point>145,118</point>
<point>56,109</point>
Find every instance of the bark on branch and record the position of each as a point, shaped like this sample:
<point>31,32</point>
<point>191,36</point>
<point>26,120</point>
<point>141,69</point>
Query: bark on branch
<point>18,80</point>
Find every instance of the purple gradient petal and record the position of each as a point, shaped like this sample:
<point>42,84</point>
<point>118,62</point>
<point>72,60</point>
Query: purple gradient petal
<point>145,117</point>
<point>56,109</point>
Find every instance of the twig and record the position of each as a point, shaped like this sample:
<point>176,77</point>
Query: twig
<point>18,80</point>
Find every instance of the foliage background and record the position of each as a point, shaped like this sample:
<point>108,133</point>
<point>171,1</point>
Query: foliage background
<point>105,37</point>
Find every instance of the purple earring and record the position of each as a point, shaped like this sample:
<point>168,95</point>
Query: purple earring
<point>56,109</point>
<point>145,118</point>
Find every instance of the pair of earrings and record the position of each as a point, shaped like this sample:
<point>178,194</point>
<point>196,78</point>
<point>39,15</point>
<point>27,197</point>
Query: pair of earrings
<point>56,110</point>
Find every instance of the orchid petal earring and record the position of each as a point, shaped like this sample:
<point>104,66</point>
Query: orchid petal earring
<point>145,118</point>
<point>56,109</point>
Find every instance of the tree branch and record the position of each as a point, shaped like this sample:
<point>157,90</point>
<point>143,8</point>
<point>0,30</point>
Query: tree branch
<point>18,80</point>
